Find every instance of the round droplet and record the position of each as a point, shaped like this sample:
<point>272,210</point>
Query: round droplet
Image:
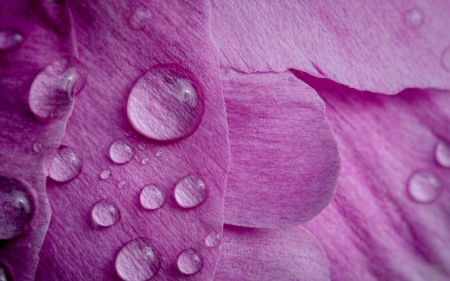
<point>121,151</point>
<point>189,262</point>
<point>10,39</point>
<point>66,165</point>
<point>142,146</point>
<point>213,240</point>
<point>152,197</point>
<point>105,213</point>
<point>443,154</point>
<point>37,147</point>
<point>51,94</point>
<point>158,154</point>
<point>190,191</point>
<point>105,174</point>
<point>121,184</point>
<point>144,161</point>
<point>446,59</point>
<point>17,208</point>
<point>424,187</point>
<point>414,17</point>
<point>138,260</point>
<point>165,104</point>
<point>5,273</point>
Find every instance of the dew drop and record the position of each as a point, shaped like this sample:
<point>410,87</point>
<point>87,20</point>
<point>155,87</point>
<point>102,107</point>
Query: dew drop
<point>424,187</point>
<point>165,104</point>
<point>17,208</point>
<point>121,151</point>
<point>158,154</point>
<point>121,184</point>
<point>442,154</point>
<point>144,161</point>
<point>142,146</point>
<point>66,165</point>
<point>213,240</point>
<point>152,197</point>
<point>190,191</point>
<point>51,94</point>
<point>105,174</point>
<point>105,213</point>
<point>446,59</point>
<point>414,18</point>
<point>138,260</point>
<point>37,147</point>
<point>5,273</point>
<point>10,39</point>
<point>189,262</point>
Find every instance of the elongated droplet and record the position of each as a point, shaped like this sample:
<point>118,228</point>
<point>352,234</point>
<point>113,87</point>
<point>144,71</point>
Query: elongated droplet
<point>10,39</point>
<point>442,154</point>
<point>138,260</point>
<point>66,165</point>
<point>105,174</point>
<point>121,151</point>
<point>105,213</point>
<point>190,191</point>
<point>446,59</point>
<point>213,240</point>
<point>17,208</point>
<point>165,104</point>
<point>5,273</point>
<point>189,262</point>
<point>152,197</point>
<point>424,187</point>
<point>414,18</point>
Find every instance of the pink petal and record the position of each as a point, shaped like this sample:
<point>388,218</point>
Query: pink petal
<point>285,161</point>
<point>381,46</point>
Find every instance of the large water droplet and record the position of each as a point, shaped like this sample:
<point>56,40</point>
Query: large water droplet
<point>10,39</point>
<point>213,240</point>
<point>165,104</point>
<point>17,208</point>
<point>152,197</point>
<point>424,187</point>
<point>5,273</point>
<point>138,260</point>
<point>442,154</point>
<point>105,213</point>
<point>190,191</point>
<point>51,94</point>
<point>189,262</point>
<point>121,151</point>
<point>66,165</point>
<point>446,59</point>
<point>414,18</point>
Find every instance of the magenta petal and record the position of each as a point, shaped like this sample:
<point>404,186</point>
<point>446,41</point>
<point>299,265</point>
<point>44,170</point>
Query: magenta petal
<point>256,254</point>
<point>381,46</point>
<point>285,161</point>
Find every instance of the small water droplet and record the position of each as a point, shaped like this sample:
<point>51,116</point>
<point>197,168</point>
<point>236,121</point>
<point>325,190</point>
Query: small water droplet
<point>5,273</point>
<point>37,147</point>
<point>442,154</point>
<point>142,146</point>
<point>424,187</point>
<point>158,154</point>
<point>161,110</point>
<point>189,262</point>
<point>144,161</point>
<point>414,18</point>
<point>66,165</point>
<point>213,240</point>
<point>10,39</point>
<point>51,94</point>
<point>128,133</point>
<point>190,191</point>
<point>446,59</point>
<point>121,151</point>
<point>17,208</point>
<point>105,174</point>
<point>138,260</point>
<point>152,197</point>
<point>121,184</point>
<point>140,18</point>
<point>105,213</point>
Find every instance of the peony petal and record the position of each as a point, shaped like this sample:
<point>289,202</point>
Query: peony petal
<point>382,46</point>
<point>257,254</point>
<point>285,161</point>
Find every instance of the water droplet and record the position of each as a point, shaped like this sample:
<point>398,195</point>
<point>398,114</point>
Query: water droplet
<point>37,147</point>
<point>144,161</point>
<point>443,154</point>
<point>51,94</point>
<point>121,184</point>
<point>446,59</point>
<point>189,262</point>
<point>138,260</point>
<point>424,187</point>
<point>414,18</point>
<point>158,154</point>
<point>152,197</point>
<point>142,146</point>
<point>121,151</point>
<point>213,240</point>
<point>105,174</point>
<point>17,208</point>
<point>66,165</point>
<point>140,17</point>
<point>5,273</point>
<point>10,39</point>
<point>105,213</point>
<point>128,133</point>
<point>162,110</point>
<point>190,191</point>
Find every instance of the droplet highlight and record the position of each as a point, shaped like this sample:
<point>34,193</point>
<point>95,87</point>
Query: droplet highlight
<point>446,59</point>
<point>66,165</point>
<point>105,174</point>
<point>105,213</point>
<point>189,262</point>
<point>424,187</point>
<point>165,104</point>
<point>10,39</point>
<point>138,260</point>
<point>5,273</point>
<point>414,18</point>
<point>442,154</point>
<point>17,208</point>
<point>152,197</point>
<point>213,240</point>
<point>190,191</point>
<point>121,151</point>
